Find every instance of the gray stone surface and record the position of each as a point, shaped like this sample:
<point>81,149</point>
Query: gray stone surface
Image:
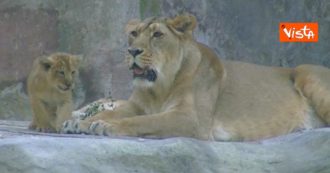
<point>25,151</point>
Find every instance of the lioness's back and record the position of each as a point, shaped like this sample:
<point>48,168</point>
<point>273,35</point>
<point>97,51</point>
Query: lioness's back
<point>260,102</point>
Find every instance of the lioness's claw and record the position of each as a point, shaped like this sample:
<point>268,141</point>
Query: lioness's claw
<point>70,126</point>
<point>100,128</point>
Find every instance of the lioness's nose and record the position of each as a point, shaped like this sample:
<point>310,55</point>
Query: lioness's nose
<point>135,51</point>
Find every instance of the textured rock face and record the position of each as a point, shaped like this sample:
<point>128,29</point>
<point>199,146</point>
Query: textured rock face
<point>14,103</point>
<point>22,151</point>
<point>25,34</point>
<point>248,30</point>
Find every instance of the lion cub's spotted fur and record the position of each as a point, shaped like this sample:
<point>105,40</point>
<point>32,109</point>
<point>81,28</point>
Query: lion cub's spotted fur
<point>181,88</point>
<point>50,85</point>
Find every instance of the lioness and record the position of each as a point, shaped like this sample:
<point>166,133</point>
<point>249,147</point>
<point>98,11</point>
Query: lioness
<point>181,88</point>
<point>50,85</point>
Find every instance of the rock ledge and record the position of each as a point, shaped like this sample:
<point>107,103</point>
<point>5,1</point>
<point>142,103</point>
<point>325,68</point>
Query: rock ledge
<point>25,151</point>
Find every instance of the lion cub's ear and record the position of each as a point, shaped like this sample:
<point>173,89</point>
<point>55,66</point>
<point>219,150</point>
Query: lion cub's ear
<point>77,61</point>
<point>46,62</point>
<point>183,24</point>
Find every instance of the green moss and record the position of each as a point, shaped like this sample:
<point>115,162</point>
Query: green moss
<point>151,7</point>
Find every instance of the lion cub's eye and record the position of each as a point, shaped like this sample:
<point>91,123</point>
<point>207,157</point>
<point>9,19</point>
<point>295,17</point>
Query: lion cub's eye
<point>73,72</point>
<point>134,33</point>
<point>60,73</point>
<point>157,34</point>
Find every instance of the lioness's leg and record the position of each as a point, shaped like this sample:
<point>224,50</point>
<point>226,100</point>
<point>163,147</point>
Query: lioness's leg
<point>123,109</point>
<point>82,126</point>
<point>166,124</point>
<point>313,82</point>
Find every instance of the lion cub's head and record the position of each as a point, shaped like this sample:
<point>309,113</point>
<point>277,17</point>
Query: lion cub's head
<point>156,47</point>
<point>61,70</point>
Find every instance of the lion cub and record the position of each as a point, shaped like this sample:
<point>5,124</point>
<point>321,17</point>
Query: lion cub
<point>50,85</point>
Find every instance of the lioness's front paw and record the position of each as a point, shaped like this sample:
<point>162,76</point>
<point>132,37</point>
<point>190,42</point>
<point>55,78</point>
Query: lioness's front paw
<point>100,127</point>
<point>70,126</point>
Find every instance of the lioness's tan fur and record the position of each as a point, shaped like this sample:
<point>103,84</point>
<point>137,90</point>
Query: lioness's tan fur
<point>197,95</point>
<point>50,85</point>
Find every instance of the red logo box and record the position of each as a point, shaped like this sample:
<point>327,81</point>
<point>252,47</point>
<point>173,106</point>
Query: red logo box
<point>298,32</point>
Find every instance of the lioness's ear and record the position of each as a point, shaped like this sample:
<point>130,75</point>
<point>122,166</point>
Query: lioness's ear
<point>131,25</point>
<point>46,62</point>
<point>185,23</point>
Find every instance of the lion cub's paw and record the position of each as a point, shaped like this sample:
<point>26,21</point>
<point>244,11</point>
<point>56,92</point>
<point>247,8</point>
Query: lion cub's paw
<point>46,130</point>
<point>37,128</point>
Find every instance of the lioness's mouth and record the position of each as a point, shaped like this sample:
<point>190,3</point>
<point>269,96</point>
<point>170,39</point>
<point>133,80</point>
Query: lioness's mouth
<point>145,73</point>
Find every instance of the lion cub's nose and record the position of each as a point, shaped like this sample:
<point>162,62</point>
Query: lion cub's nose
<point>135,51</point>
<point>68,84</point>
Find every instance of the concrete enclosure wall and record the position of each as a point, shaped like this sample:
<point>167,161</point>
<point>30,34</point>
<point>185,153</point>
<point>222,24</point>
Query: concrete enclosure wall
<point>237,30</point>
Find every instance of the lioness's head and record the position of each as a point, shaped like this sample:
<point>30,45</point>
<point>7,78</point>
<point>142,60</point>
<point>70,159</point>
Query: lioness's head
<point>156,47</point>
<point>61,70</point>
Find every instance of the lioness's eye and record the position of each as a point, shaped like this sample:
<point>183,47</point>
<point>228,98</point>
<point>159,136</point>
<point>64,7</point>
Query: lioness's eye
<point>157,34</point>
<point>73,72</point>
<point>134,33</point>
